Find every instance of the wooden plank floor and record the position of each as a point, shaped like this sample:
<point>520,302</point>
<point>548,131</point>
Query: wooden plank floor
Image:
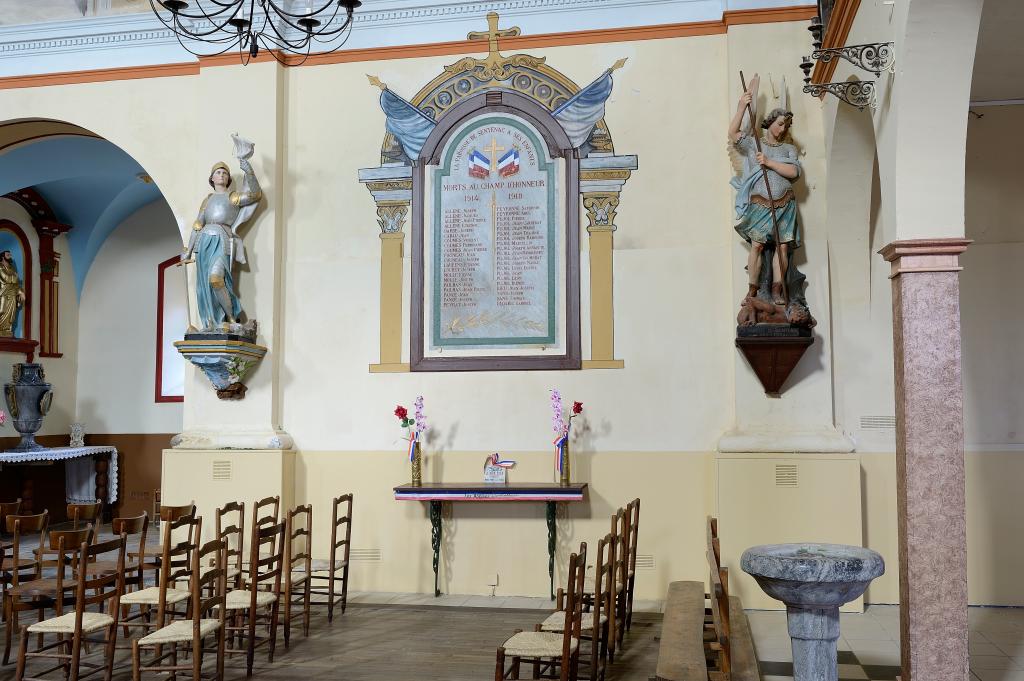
<point>412,643</point>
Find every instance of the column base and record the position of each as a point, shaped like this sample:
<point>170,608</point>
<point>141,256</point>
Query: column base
<point>228,438</point>
<point>603,364</point>
<point>390,368</point>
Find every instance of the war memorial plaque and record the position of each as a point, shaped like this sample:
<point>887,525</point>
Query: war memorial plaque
<point>495,266</point>
<point>493,273</point>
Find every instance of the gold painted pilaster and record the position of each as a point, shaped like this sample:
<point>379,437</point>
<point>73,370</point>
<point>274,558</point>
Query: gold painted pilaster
<point>391,253</point>
<point>601,207</point>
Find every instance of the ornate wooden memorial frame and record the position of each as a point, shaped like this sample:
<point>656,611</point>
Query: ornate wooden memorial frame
<point>559,146</point>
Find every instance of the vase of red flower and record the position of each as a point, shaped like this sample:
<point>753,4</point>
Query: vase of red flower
<point>414,427</point>
<point>562,427</point>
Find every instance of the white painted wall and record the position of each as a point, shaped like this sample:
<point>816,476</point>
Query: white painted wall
<point>116,349</point>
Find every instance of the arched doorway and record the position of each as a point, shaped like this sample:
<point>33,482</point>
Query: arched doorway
<point>97,229</point>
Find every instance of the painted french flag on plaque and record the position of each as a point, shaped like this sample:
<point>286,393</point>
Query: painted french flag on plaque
<point>479,165</point>
<point>509,163</point>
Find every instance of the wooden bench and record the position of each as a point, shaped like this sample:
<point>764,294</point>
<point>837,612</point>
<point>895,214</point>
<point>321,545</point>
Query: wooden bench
<point>730,648</point>
<point>681,652</point>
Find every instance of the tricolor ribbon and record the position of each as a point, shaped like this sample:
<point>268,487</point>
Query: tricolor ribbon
<point>560,450</point>
<point>501,463</point>
<point>412,445</point>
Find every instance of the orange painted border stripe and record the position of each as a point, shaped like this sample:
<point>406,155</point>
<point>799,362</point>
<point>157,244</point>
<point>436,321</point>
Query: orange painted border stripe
<point>628,34</point>
<point>99,75</point>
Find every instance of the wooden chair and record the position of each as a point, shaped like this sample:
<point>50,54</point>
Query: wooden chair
<point>133,528</point>
<point>337,562</point>
<point>71,628</point>
<point>552,655</point>
<point>168,514</point>
<point>175,561</point>
<point>260,602</point>
<point>86,513</point>
<point>297,567</point>
<point>265,513</point>
<point>48,551</point>
<point>633,509</point>
<point>8,508</point>
<point>717,625</point>
<point>621,523</point>
<point>204,623</point>
<point>616,557</point>
<point>21,570</point>
<point>230,526</point>
<point>598,614</point>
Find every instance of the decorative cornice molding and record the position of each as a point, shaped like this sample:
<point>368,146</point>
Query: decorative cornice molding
<point>138,45</point>
<point>924,255</point>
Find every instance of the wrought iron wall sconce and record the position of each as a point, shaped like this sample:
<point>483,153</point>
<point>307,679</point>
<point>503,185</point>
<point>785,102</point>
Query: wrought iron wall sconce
<point>873,57</point>
<point>858,93</point>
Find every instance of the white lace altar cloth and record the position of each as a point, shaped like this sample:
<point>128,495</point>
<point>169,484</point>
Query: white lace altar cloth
<point>80,471</point>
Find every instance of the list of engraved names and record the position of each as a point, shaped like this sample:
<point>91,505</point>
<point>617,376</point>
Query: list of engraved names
<point>494,244</point>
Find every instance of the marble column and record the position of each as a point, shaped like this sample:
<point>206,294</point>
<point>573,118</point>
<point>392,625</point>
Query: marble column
<point>930,457</point>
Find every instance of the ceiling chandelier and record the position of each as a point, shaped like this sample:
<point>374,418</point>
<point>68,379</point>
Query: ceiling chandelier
<point>286,29</point>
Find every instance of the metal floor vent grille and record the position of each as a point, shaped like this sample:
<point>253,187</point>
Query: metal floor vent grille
<point>786,475</point>
<point>221,470</point>
<point>371,555</point>
<point>644,561</point>
<point>877,422</point>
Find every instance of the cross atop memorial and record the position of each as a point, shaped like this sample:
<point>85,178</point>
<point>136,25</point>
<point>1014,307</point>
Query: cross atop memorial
<point>493,150</point>
<point>492,35</point>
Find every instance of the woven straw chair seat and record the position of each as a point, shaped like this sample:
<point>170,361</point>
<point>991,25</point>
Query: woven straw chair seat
<point>537,644</point>
<point>65,624</point>
<point>179,631</point>
<point>556,622</point>
<point>151,596</point>
<point>239,599</point>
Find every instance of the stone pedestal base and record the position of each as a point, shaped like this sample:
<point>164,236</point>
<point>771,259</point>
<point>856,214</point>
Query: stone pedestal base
<point>212,478</point>
<point>228,438</point>
<point>814,632</point>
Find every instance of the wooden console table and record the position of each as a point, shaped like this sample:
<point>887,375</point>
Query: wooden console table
<point>437,492</point>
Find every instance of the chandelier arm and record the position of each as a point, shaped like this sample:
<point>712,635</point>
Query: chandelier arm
<point>203,13</point>
<point>332,36</point>
<point>200,54</point>
<point>283,12</point>
<point>215,28</point>
<point>346,25</point>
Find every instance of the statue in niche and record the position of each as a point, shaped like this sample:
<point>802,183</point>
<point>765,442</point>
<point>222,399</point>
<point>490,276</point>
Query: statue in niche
<point>12,295</point>
<point>215,245</point>
<point>766,168</point>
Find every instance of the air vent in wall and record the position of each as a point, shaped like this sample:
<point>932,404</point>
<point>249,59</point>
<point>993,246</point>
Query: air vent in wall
<point>786,475</point>
<point>644,562</point>
<point>373,555</point>
<point>877,422</point>
<point>222,470</point>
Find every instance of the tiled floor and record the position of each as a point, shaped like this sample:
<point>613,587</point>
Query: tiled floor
<point>869,644</point>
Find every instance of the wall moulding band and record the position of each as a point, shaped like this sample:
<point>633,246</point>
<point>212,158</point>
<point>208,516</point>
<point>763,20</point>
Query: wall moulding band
<point>124,50</point>
<point>924,255</point>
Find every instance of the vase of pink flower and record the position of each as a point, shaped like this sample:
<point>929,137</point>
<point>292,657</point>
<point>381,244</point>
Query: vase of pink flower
<point>414,426</point>
<point>562,426</point>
